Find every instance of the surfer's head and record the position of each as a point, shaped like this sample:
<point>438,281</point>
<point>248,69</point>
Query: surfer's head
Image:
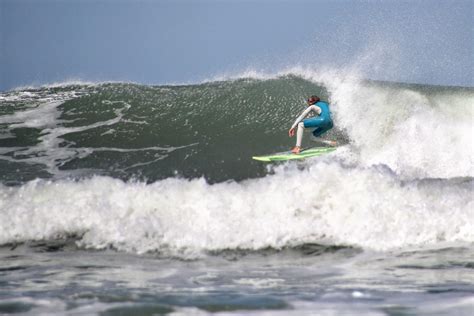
<point>313,99</point>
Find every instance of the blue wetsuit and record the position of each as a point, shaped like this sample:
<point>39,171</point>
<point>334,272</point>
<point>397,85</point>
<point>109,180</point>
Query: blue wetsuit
<point>322,122</point>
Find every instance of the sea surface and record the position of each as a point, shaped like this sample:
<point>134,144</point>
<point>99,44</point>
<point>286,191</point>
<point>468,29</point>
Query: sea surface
<point>132,199</point>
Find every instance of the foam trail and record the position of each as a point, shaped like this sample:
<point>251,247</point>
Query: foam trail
<point>43,116</point>
<point>48,151</point>
<point>326,203</point>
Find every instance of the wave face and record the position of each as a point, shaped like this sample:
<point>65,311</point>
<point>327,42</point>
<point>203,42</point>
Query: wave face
<point>168,169</point>
<point>150,133</point>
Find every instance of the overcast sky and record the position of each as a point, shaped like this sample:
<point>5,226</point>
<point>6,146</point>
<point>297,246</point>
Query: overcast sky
<point>179,41</point>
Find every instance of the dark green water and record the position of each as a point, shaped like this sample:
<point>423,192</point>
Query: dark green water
<point>149,133</point>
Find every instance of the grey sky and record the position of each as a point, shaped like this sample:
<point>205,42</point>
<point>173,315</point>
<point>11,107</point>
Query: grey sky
<point>158,42</point>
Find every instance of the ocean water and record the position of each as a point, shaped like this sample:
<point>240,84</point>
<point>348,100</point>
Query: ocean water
<point>130,199</point>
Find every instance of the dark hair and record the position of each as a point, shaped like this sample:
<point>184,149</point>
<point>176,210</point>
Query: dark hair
<point>314,99</point>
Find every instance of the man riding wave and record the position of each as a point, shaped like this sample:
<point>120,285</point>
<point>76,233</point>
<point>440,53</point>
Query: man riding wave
<point>322,123</point>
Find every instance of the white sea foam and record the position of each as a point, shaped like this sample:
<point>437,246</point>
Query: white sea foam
<point>365,205</point>
<point>326,203</point>
<point>60,84</point>
<point>43,116</point>
<point>49,151</point>
<point>415,134</point>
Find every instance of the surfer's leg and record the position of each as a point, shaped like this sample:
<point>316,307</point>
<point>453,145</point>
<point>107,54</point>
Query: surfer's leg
<point>299,138</point>
<point>319,139</point>
<point>323,141</point>
<point>320,131</point>
<point>307,123</point>
<point>299,134</point>
<point>315,122</point>
<point>315,138</point>
<point>322,127</point>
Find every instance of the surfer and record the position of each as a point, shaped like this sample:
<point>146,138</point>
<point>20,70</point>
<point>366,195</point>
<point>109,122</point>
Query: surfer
<point>322,122</point>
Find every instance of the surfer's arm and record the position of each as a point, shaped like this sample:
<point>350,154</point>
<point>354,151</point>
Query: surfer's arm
<point>313,107</point>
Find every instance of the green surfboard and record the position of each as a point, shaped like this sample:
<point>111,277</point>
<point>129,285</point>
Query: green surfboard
<point>306,153</point>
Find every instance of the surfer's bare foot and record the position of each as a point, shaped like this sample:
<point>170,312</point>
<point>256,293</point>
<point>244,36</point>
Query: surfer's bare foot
<point>296,150</point>
<point>331,143</point>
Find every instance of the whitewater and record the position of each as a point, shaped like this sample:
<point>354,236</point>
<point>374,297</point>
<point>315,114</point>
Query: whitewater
<point>97,178</point>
